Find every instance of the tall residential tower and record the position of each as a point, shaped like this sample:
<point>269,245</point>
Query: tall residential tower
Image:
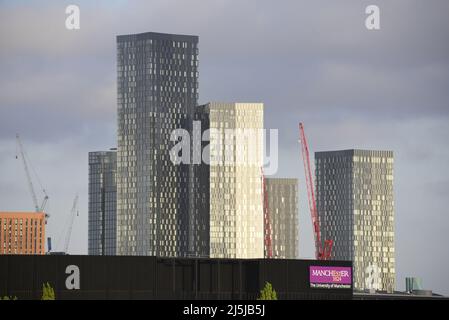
<point>102,203</point>
<point>233,213</point>
<point>157,91</point>
<point>282,196</point>
<point>356,210</point>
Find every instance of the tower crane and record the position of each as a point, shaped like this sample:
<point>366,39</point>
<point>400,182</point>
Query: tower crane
<point>37,207</point>
<point>70,223</point>
<point>322,250</point>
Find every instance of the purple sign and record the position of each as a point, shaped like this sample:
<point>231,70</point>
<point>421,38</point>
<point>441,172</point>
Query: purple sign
<point>330,277</point>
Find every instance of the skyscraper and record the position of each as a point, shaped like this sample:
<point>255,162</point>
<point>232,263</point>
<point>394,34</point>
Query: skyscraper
<point>235,221</point>
<point>157,92</point>
<point>356,210</point>
<point>282,195</point>
<point>199,188</point>
<point>102,203</point>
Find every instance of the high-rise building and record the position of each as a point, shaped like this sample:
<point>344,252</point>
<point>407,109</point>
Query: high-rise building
<point>235,153</point>
<point>356,210</point>
<point>157,92</point>
<point>102,203</point>
<point>199,188</point>
<point>22,233</point>
<point>282,196</point>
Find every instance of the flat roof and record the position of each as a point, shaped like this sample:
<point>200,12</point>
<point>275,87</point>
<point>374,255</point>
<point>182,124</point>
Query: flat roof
<point>20,212</point>
<point>156,36</point>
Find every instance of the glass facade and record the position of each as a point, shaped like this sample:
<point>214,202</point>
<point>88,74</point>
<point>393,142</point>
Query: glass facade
<point>157,92</point>
<point>356,210</point>
<point>282,195</point>
<point>235,184</point>
<point>199,222</point>
<point>102,203</point>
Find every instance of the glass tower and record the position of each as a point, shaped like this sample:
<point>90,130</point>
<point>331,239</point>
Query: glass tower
<point>282,195</point>
<point>233,180</point>
<point>356,210</point>
<point>102,203</point>
<point>157,91</point>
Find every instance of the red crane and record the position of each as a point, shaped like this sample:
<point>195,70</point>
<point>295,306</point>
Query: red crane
<point>322,251</point>
<point>266,219</point>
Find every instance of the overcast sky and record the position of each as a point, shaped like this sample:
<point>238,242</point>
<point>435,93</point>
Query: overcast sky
<point>310,61</point>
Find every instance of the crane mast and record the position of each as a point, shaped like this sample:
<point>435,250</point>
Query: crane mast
<point>37,208</point>
<point>70,226</point>
<point>322,251</point>
<point>27,172</point>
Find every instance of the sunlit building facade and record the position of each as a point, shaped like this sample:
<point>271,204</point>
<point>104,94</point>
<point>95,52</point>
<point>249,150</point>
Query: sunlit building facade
<point>235,185</point>
<point>283,215</point>
<point>22,233</point>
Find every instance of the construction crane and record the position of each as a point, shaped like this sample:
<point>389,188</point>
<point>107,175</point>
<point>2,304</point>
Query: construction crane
<point>37,207</point>
<point>266,218</point>
<point>70,224</point>
<point>322,250</point>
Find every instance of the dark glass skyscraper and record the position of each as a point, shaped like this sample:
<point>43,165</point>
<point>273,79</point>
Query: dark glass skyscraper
<point>102,203</point>
<point>199,191</point>
<point>355,202</point>
<point>157,92</point>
